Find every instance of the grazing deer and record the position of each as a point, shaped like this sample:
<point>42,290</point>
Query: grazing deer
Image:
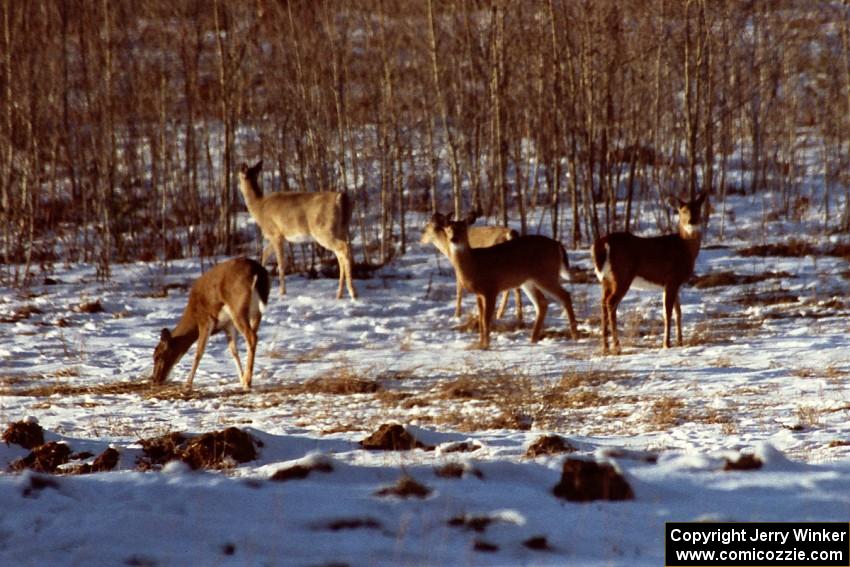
<point>300,217</point>
<point>229,297</point>
<point>531,262</point>
<point>479,237</point>
<point>622,259</point>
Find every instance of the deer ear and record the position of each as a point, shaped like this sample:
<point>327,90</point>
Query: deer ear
<point>701,198</point>
<point>438,219</point>
<point>471,217</point>
<point>165,335</point>
<point>675,202</point>
<point>258,166</point>
<point>243,168</point>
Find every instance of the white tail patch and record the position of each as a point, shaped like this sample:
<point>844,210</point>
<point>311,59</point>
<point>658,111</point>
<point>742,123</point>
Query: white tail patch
<point>605,272</point>
<point>257,304</point>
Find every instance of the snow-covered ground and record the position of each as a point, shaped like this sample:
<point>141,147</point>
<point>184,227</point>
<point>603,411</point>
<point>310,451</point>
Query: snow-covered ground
<point>763,371</point>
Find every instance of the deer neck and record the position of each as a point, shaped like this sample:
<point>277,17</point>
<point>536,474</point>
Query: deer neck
<point>184,336</point>
<point>252,195</point>
<point>462,258</point>
<point>692,240</point>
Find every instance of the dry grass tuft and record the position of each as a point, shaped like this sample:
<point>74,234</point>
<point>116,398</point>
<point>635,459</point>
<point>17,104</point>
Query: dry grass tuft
<point>793,248</point>
<point>406,487</point>
<point>726,278</point>
<point>341,382</point>
<point>666,412</point>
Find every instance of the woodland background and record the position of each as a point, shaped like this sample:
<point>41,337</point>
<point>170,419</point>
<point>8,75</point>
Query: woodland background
<point>122,124</point>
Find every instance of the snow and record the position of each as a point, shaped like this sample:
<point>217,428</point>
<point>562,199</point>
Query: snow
<point>755,377</point>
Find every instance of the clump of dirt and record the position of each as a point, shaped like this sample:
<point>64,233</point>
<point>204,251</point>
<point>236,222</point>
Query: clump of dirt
<point>352,524</point>
<point>726,278</point>
<point>456,470</point>
<point>745,462</point>
<point>45,458</point>
<point>160,450</point>
<point>406,487</point>
<point>215,450</point>
<point>28,434</point>
<point>793,249</point>
<point>473,523</point>
<point>392,437</point>
<point>537,543</point>
<point>90,307</point>
<point>549,445</point>
<point>585,481</point>
<point>21,313</point>
<point>460,447</point>
<point>485,546</point>
<point>297,472</point>
<point>104,462</point>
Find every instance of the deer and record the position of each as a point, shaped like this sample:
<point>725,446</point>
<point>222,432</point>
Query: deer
<point>534,263</point>
<point>479,237</point>
<point>622,260</point>
<point>229,297</point>
<point>321,216</point>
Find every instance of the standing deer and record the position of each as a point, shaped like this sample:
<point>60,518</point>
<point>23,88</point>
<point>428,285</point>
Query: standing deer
<point>479,237</point>
<point>229,297</point>
<point>300,217</point>
<point>534,263</point>
<point>622,259</point>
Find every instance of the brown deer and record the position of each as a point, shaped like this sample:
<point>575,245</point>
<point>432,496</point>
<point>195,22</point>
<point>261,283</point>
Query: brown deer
<point>622,259</point>
<point>534,263</point>
<point>229,297</point>
<point>300,217</point>
<point>479,237</point>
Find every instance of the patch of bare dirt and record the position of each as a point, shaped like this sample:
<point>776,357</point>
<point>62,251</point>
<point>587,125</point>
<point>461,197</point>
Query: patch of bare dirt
<point>90,307</point>
<point>406,487</point>
<point>298,472</point>
<point>214,450</point>
<point>392,437</point>
<point>585,481</point>
<point>549,445</point>
<point>352,524</point>
<point>726,278</point>
<point>456,470</point>
<point>46,458</point>
<point>537,543</point>
<point>27,434</point>
<point>21,313</point>
<point>744,462</point>
<point>793,248</point>
<point>104,462</point>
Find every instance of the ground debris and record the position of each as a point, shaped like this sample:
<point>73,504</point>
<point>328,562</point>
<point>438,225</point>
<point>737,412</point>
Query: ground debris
<point>585,481</point>
<point>392,437</point>
<point>215,450</point>
<point>26,433</point>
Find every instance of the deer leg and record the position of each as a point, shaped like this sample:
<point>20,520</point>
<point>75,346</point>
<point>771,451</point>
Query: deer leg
<point>231,343</point>
<point>489,301</point>
<point>606,294</point>
<point>518,301</point>
<point>204,328</point>
<point>479,299</point>
<point>563,296</point>
<point>678,311</point>
<point>671,296</point>
<point>612,303</point>
<point>503,304</point>
<point>279,252</point>
<point>343,256</point>
<point>540,306</point>
<point>458,296</point>
<point>242,322</point>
